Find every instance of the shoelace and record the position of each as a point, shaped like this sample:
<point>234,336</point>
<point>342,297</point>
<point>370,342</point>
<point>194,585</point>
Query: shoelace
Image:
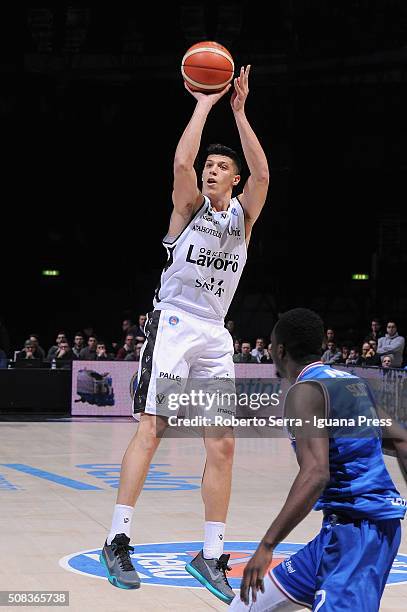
<point>122,552</point>
<point>222,565</point>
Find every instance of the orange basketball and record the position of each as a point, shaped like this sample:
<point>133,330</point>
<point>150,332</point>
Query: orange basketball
<point>207,67</point>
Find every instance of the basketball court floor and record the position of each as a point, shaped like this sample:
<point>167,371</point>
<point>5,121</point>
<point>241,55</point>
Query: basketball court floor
<point>58,483</point>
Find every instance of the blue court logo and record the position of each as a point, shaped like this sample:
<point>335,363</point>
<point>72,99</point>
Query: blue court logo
<point>173,320</point>
<point>163,564</point>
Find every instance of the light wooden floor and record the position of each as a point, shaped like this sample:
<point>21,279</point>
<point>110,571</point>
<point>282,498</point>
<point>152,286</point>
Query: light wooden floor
<point>43,521</point>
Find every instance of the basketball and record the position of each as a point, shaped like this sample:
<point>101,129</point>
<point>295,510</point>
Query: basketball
<point>207,67</point>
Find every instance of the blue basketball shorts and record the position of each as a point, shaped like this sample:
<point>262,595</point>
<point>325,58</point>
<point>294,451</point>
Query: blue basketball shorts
<point>345,568</point>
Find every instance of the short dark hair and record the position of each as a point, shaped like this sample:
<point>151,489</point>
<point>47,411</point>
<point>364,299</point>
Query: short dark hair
<point>219,149</point>
<point>301,331</point>
<point>79,333</point>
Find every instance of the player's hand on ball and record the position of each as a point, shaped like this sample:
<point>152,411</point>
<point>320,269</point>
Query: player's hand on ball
<point>210,99</point>
<point>254,573</point>
<point>241,92</point>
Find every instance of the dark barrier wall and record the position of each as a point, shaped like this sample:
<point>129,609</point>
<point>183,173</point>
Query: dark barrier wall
<point>39,389</point>
<point>33,389</point>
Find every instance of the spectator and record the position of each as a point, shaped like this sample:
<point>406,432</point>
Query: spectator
<point>3,360</point>
<point>373,345</point>
<point>329,337</point>
<point>245,356</point>
<point>64,353</point>
<point>387,361</point>
<point>28,352</point>
<point>392,344</point>
<point>375,331</point>
<point>89,352</point>
<point>78,345</point>
<point>34,339</point>
<point>126,349</point>
<point>89,331</point>
<point>138,330</point>
<point>344,355</point>
<point>369,357</point>
<point>237,346</point>
<point>135,355</point>
<point>127,325</point>
<point>331,355</point>
<point>101,352</point>
<point>259,351</point>
<point>267,356</point>
<point>61,337</point>
<point>230,326</point>
<point>353,359</point>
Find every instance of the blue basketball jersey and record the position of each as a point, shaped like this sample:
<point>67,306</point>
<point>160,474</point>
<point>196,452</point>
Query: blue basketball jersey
<point>360,485</point>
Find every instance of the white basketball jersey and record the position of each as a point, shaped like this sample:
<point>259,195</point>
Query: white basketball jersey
<point>204,263</point>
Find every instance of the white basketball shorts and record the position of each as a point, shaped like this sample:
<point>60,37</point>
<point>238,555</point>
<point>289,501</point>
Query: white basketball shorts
<point>181,349</point>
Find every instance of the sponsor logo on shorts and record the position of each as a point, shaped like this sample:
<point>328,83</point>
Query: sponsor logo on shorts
<point>170,376</point>
<point>163,564</point>
<point>173,320</point>
<point>289,566</point>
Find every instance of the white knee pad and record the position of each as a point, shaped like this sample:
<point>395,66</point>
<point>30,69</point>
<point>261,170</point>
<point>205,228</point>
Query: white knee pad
<point>272,599</point>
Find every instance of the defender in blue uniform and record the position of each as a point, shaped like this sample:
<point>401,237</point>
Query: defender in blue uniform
<point>337,434</point>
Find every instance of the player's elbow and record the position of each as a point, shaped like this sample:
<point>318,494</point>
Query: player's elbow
<point>182,165</point>
<point>322,478</point>
<point>318,477</point>
<point>263,176</point>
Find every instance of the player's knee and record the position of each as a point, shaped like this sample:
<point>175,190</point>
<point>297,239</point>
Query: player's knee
<point>221,450</point>
<point>149,432</point>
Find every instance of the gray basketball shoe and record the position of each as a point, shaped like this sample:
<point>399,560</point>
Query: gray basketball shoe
<point>116,559</point>
<point>211,573</point>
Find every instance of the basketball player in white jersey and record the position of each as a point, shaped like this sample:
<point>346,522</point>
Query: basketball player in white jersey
<point>206,245</point>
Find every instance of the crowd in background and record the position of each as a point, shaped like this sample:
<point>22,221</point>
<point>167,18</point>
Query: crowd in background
<point>379,347</point>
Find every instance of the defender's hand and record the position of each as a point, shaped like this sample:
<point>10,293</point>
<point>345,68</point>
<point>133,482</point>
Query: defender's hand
<point>241,92</point>
<point>254,573</point>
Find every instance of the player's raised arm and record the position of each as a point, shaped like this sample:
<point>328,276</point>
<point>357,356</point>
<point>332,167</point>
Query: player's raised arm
<point>255,190</point>
<point>186,193</point>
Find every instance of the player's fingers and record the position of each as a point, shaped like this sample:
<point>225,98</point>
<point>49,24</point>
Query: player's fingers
<point>253,585</point>
<point>238,89</point>
<point>244,588</point>
<point>261,585</point>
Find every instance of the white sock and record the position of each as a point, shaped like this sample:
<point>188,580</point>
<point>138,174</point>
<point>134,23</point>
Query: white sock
<point>214,537</point>
<point>121,522</point>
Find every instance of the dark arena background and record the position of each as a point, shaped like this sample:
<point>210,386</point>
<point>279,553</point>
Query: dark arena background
<point>102,109</point>
<point>92,105</point>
